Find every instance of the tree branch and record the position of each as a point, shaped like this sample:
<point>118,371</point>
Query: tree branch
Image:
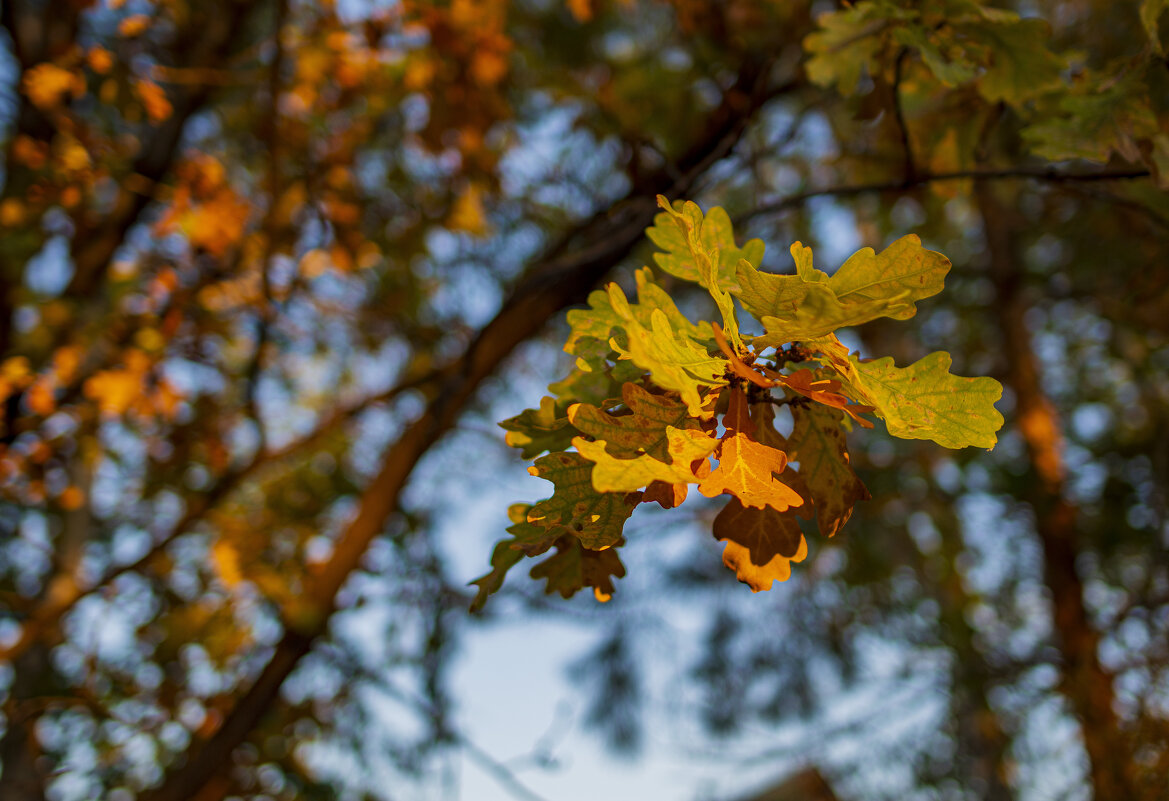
<point>1047,174</point>
<point>899,117</point>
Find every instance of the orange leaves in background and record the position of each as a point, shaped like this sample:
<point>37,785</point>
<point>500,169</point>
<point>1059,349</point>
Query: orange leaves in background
<point>581,10</point>
<point>99,60</point>
<point>154,100</point>
<point>129,388</point>
<point>205,208</point>
<point>47,85</point>
<point>114,391</point>
<point>133,25</point>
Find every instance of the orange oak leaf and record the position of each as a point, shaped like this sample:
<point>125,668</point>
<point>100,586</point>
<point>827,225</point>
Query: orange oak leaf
<point>763,416</point>
<point>761,543</point>
<point>746,470</point>
<point>738,416</point>
<point>737,365</point>
<point>823,391</point>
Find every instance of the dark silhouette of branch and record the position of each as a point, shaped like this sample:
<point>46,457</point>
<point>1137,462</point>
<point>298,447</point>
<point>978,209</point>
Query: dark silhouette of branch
<point>921,179</point>
<point>899,116</point>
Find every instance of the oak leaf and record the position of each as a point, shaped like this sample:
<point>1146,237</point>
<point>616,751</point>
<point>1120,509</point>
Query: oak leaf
<point>817,442</point>
<point>665,494</point>
<point>761,543</point>
<point>746,470</point>
<point>574,567</point>
<point>595,518</point>
<point>528,539</point>
<point>675,361</point>
<point>641,431</point>
<point>537,430</point>
<point>613,475</point>
<point>598,321</point>
<point>716,233</point>
<point>926,401</point>
<point>868,285</point>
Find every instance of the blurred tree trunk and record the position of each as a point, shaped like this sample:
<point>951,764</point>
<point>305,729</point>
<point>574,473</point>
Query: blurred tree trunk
<point>21,779</point>
<point>1086,683</point>
<point>980,736</point>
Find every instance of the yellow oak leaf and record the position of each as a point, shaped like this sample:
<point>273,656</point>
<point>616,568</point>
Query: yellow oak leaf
<point>611,474</point>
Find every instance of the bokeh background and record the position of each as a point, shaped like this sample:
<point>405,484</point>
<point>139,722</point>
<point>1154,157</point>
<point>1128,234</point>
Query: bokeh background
<point>271,272</point>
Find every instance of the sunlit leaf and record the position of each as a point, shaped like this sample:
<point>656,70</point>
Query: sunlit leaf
<point>925,401</point>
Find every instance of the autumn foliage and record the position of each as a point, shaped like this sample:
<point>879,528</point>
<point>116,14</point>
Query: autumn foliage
<point>642,406</point>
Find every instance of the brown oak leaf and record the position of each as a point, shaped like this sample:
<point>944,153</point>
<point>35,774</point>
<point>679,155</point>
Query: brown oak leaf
<point>761,544</point>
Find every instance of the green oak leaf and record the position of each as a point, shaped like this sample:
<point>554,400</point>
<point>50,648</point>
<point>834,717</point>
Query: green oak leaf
<point>817,442</point>
<point>642,431</point>
<point>904,271</point>
<point>691,225</point>
<point>611,474</point>
<point>952,68</point>
<point>847,44</point>
<point>595,518</point>
<point>1019,64</point>
<point>1102,118</point>
<point>716,234</point>
<point>526,540</point>
<point>925,401</point>
<point>574,567</point>
<point>868,285</point>
<point>537,430</point>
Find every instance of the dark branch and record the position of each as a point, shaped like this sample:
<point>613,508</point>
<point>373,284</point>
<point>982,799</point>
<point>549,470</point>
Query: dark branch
<point>1047,174</point>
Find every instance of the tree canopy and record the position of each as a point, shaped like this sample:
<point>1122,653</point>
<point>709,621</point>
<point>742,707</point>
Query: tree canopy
<point>270,269</point>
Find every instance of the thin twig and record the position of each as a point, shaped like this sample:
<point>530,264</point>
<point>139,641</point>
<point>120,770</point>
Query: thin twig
<point>1008,173</point>
<point>899,116</point>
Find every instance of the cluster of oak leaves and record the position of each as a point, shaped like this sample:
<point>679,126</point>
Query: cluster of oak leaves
<point>642,409</point>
